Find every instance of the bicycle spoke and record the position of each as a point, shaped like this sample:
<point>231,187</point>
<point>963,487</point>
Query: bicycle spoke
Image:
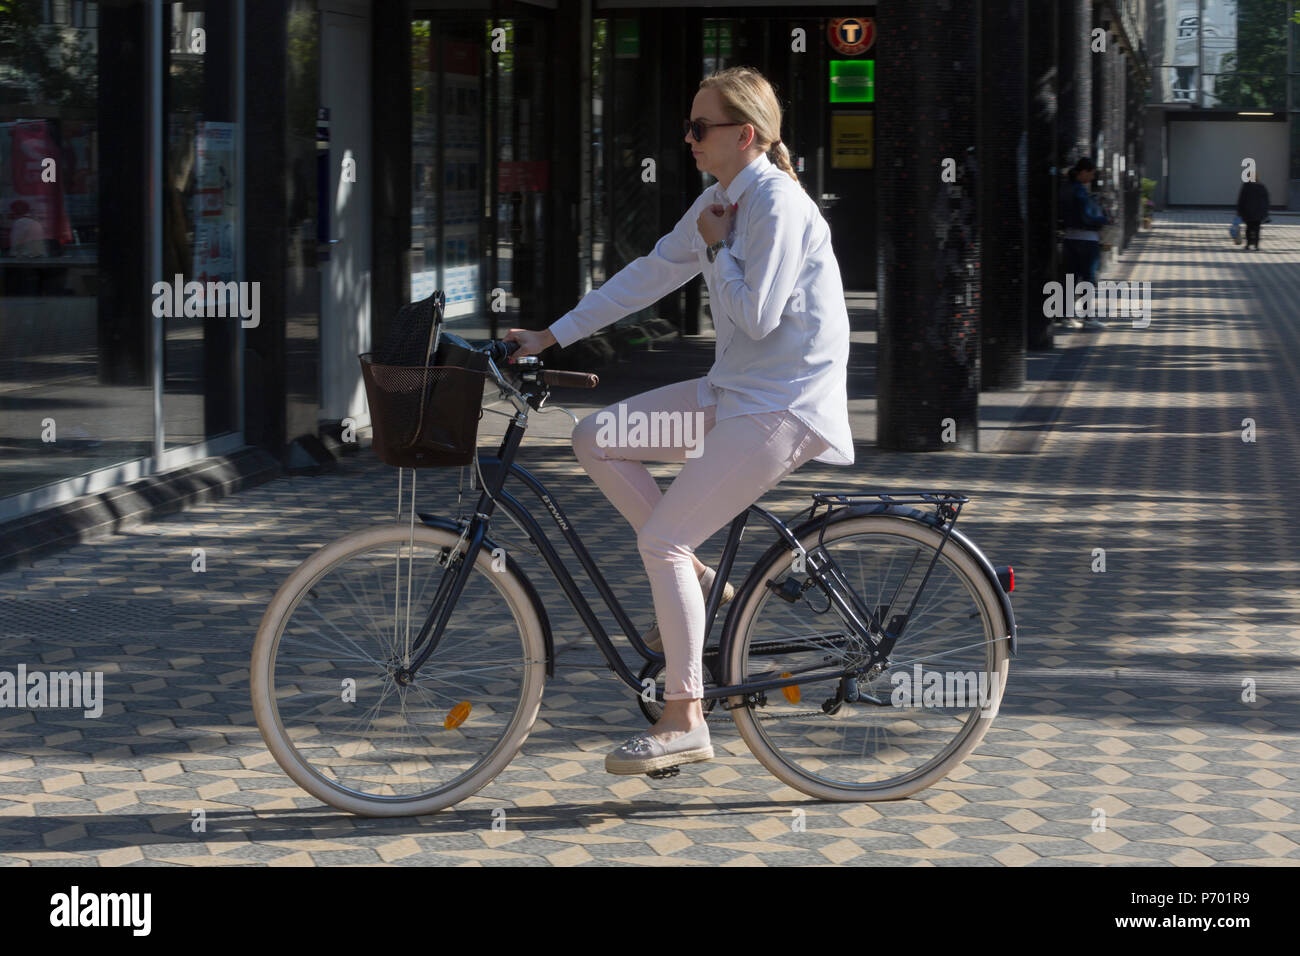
<point>880,741</point>
<point>391,742</point>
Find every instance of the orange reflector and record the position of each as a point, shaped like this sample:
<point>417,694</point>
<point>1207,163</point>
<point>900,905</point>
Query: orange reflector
<point>457,715</point>
<point>792,692</point>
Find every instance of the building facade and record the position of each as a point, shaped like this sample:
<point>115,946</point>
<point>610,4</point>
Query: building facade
<point>313,165</point>
<point>1223,91</point>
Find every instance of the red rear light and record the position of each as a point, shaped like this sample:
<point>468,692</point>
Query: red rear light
<point>1007,578</point>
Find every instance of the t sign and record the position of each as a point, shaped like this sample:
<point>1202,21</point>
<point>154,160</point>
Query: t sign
<point>852,35</point>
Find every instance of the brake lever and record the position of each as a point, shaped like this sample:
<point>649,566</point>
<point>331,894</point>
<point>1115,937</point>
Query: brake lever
<point>559,408</point>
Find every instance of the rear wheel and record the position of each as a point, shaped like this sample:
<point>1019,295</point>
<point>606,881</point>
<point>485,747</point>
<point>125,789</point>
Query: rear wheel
<point>884,732</point>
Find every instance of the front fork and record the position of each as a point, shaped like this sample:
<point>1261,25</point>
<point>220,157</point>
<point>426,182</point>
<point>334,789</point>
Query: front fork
<point>449,590</point>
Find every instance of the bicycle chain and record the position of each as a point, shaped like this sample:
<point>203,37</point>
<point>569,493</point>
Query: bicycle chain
<point>806,713</point>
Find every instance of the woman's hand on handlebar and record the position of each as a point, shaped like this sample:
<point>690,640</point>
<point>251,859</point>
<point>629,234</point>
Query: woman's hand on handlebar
<point>530,342</point>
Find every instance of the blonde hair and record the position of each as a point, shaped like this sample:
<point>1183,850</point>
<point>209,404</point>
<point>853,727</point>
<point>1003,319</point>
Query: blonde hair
<point>747,97</point>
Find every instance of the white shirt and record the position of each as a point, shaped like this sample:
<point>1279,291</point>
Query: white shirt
<point>776,298</point>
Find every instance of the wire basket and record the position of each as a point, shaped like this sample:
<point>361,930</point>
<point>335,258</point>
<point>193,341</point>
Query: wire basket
<point>423,416</point>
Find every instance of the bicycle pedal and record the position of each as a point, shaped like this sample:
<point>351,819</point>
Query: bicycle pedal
<point>663,773</point>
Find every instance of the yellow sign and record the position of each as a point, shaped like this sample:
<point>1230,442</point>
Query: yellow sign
<point>852,141</point>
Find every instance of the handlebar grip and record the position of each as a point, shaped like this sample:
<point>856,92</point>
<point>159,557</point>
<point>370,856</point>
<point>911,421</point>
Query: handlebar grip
<point>570,379</point>
<point>501,349</point>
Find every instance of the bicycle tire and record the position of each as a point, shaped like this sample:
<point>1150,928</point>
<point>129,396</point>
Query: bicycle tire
<point>268,696</point>
<point>788,763</point>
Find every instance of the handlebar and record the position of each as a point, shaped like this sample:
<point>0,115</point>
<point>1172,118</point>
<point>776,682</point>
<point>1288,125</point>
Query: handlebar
<point>499,350</point>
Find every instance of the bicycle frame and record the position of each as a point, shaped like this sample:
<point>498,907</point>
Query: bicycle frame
<point>498,468</point>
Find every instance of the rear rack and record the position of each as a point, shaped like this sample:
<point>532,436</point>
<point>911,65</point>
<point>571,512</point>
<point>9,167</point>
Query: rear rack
<point>947,504</point>
<point>892,497</point>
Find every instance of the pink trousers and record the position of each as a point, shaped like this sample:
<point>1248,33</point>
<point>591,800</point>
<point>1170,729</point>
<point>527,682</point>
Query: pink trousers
<point>728,465</point>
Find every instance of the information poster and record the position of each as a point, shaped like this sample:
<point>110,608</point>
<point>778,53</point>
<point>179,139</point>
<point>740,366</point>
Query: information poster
<point>462,181</point>
<point>216,203</point>
<point>852,141</point>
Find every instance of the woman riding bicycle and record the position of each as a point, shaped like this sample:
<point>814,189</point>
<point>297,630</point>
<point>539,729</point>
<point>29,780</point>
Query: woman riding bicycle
<point>775,397</point>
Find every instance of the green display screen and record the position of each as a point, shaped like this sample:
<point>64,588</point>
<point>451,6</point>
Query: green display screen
<point>853,81</point>
<point>627,39</point>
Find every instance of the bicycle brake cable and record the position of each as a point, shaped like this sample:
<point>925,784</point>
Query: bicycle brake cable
<point>531,549</point>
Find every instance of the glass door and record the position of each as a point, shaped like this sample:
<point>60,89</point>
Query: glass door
<point>480,153</point>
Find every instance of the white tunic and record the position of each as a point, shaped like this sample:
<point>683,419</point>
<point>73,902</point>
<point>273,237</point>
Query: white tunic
<point>776,298</point>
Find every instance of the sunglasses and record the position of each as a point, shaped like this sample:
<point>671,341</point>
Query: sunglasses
<point>699,129</point>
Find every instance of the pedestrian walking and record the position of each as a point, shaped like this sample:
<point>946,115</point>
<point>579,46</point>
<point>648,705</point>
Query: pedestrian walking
<point>1252,207</point>
<point>775,398</point>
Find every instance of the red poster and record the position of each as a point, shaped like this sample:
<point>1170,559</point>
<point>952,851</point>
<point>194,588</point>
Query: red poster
<point>31,146</point>
<point>460,57</point>
<point>522,176</point>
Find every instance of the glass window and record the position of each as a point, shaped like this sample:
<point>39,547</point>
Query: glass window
<point>600,52</point>
<point>1220,54</point>
<point>447,167</point>
<point>200,219</point>
<point>479,225</point>
<point>75,388</point>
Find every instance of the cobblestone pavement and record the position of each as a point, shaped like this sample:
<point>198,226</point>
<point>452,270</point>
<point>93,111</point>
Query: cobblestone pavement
<point>1126,696</point>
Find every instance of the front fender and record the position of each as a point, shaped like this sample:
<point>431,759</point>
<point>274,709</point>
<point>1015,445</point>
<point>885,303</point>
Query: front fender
<point>446,524</point>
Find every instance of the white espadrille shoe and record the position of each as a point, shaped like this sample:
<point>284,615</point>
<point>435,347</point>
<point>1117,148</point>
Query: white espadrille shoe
<point>647,754</point>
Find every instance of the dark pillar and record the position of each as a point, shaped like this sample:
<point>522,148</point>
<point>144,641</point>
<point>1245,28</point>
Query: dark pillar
<point>125,316</point>
<point>928,262</point>
<point>1134,128</point>
<point>565,185</point>
<point>1108,126</point>
<point>282,359</point>
<point>1116,82</point>
<point>220,335</point>
<point>692,34</point>
<point>669,45</point>
<point>1003,160</point>
<point>1040,224</point>
<point>1074,123</point>
<point>266,229</point>
<point>390,85</point>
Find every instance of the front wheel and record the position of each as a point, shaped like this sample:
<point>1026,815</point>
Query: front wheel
<point>332,700</point>
<point>886,731</point>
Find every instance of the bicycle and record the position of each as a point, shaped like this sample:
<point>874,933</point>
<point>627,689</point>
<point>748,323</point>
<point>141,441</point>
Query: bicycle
<point>399,669</point>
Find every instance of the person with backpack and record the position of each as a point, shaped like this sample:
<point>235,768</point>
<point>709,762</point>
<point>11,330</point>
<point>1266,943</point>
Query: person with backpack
<point>1083,216</point>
